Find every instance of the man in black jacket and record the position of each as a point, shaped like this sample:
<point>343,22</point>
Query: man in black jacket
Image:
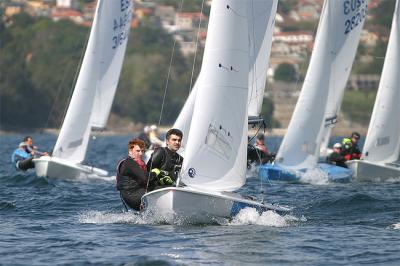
<point>133,180</point>
<point>165,162</point>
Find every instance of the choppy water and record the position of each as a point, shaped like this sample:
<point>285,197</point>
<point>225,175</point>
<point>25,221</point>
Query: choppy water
<point>82,222</point>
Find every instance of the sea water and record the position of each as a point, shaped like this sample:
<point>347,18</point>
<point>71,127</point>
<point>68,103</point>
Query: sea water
<point>55,221</point>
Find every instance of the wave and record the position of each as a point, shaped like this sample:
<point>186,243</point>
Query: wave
<point>269,218</point>
<point>25,179</point>
<point>314,177</point>
<point>104,217</point>
<point>356,199</point>
<point>7,205</point>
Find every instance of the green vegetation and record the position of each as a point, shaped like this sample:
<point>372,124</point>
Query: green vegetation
<point>40,61</point>
<point>358,105</point>
<point>285,72</point>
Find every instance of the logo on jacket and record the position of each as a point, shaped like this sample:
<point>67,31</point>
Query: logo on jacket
<point>191,172</point>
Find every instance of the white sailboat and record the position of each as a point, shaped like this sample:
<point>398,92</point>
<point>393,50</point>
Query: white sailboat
<point>319,101</point>
<point>93,94</point>
<point>382,145</point>
<point>215,154</point>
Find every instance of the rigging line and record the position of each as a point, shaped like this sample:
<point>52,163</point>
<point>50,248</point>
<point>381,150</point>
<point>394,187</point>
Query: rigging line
<point>168,75</point>
<point>57,96</point>
<point>254,76</point>
<point>76,76</point>
<point>196,46</point>
<point>164,96</point>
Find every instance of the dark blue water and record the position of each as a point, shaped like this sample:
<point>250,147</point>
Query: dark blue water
<point>82,222</point>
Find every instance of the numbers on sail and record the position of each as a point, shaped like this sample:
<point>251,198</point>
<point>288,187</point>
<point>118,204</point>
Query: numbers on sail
<point>125,5</point>
<point>357,7</point>
<point>121,25</point>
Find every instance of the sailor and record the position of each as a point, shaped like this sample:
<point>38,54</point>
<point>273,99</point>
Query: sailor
<point>165,162</point>
<point>22,158</point>
<point>259,152</point>
<point>133,180</point>
<point>336,156</point>
<point>350,147</point>
<point>33,150</point>
<point>153,137</point>
<point>145,137</point>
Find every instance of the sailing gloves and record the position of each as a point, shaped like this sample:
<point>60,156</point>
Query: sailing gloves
<point>163,177</point>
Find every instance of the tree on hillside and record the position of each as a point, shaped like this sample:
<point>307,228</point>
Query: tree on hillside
<point>285,72</point>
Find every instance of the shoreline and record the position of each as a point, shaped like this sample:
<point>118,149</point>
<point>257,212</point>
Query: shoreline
<point>275,132</point>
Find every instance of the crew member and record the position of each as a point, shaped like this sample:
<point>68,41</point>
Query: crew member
<point>165,162</point>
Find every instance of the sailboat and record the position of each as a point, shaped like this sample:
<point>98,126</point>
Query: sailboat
<point>319,100</point>
<point>93,94</point>
<point>381,150</point>
<point>215,153</point>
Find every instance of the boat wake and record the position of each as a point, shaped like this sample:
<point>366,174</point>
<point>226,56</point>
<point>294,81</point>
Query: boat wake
<point>269,218</point>
<point>104,217</point>
<point>315,177</point>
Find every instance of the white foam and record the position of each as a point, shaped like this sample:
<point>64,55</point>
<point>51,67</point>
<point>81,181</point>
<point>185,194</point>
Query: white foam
<point>103,217</point>
<point>268,218</point>
<point>395,226</point>
<point>315,177</point>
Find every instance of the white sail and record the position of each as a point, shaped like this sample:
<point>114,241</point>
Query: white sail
<point>382,143</point>
<point>340,71</point>
<point>215,156</point>
<point>107,41</point>
<point>185,117</point>
<point>339,25</point>
<point>260,26</point>
<point>111,61</point>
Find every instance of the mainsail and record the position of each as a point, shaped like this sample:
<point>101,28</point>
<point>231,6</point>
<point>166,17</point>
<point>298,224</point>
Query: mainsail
<point>382,144</point>
<point>215,156</point>
<point>261,21</point>
<point>99,73</point>
<point>332,57</point>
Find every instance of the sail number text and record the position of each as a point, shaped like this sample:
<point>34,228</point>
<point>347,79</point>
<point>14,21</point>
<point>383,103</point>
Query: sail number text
<point>360,8</point>
<point>121,25</point>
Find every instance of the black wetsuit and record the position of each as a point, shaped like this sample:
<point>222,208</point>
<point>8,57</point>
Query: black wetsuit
<point>166,160</point>
<point>337,159</point>
<point>132,182</point>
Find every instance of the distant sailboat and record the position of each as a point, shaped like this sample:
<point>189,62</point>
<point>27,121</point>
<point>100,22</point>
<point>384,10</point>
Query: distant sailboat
<point>382,145</point>
<point>215,154</point>
<point>319,101</point>
<point>93,94</point>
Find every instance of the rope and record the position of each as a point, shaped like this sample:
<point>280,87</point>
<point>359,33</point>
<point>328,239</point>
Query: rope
<point>76,77</point>
<point>56,98</point>
<point>164,95</point>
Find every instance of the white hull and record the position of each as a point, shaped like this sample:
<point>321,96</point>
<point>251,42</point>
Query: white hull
<point>369,171</point>
<point>177,205</point>
<point>53,167</point>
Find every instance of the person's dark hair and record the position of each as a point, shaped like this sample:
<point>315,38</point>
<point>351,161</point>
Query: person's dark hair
<point>355,134</point>
<point>136,141</point>
<point>27,137</point>
<point>174,131</point>
<point>260,136</point>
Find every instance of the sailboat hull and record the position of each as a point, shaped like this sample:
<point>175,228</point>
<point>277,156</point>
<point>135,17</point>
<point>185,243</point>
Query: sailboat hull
<point>369,171</point>
<point>53,167</point>
<point>276,172</point>
<point>177,205</point>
